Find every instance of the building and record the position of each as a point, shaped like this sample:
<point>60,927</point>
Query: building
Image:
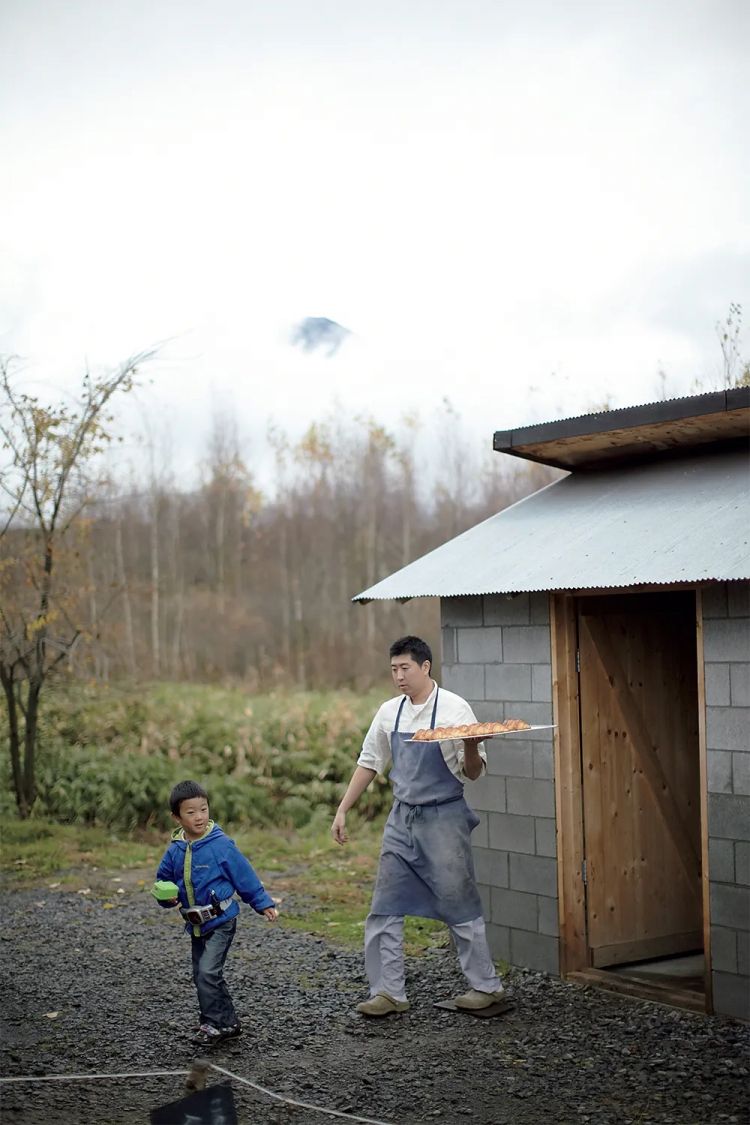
<point>614,604</point>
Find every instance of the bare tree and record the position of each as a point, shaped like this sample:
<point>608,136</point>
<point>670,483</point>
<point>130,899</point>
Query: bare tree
<point>49,475</point>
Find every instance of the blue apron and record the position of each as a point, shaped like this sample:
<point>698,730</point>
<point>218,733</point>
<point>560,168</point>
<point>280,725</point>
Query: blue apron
<point>426,866</point>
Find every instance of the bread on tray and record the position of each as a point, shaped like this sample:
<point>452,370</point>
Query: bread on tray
<point>470,730</point>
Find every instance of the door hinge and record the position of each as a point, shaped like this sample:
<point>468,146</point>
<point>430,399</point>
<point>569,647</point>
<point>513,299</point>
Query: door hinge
<point>578,660</point>
<point>584,873</point>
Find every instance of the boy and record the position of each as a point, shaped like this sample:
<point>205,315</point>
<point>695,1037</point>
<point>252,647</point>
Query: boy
<point>208,868</point>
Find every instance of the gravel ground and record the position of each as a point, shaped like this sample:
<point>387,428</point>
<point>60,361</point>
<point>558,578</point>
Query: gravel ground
<point>119,982</point>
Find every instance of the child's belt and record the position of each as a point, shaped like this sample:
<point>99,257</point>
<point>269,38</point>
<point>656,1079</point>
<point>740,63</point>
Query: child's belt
<point>197,915</point>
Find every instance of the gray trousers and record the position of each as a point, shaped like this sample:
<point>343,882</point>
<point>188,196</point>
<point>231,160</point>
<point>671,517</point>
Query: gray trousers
<point>384,955</point>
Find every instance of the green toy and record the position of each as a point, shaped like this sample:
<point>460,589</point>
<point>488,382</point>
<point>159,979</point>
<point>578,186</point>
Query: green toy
<point>164,891</point>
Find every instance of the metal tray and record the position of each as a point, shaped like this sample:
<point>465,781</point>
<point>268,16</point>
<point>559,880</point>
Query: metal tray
<point>483,737</point>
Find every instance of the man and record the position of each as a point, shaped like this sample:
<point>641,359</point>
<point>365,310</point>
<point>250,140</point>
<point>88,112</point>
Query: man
<point>426,867</point>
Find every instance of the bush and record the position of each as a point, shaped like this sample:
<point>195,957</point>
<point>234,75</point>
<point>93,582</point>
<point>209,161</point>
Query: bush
<point>110,755</point>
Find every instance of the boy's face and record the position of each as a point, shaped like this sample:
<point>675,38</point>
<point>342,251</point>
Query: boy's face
<point>193,816</point>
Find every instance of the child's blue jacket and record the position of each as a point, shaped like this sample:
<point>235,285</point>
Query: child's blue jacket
<point>213,863</point>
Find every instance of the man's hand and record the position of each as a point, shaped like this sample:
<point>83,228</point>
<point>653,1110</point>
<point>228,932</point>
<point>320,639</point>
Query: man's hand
<point>338,828</point>
<point>271,913</point>
<point>472,759</point>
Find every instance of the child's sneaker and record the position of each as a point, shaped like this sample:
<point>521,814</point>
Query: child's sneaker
<point>207,1036</point>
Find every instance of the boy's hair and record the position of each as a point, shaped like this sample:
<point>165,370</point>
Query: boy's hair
<point>418,649</point>
<point>184,791</point>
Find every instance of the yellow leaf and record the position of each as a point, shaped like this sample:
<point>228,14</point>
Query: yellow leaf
<point>108,906</point>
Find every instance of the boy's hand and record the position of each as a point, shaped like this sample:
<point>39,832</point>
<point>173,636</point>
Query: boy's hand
<point>271,913</point>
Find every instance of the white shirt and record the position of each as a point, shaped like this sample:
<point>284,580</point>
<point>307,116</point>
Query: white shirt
<point>452,710</point>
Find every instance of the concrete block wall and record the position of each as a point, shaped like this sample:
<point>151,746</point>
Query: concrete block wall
<point>497,655</point>
<point>726,653</point>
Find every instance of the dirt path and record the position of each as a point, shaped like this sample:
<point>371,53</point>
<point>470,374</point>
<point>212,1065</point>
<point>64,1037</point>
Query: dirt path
<point>118,980</point>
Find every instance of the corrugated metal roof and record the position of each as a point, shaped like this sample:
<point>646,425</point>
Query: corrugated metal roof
<point>686,520</point>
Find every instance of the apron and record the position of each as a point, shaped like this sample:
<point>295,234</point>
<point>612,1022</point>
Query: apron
<point>426,867</point>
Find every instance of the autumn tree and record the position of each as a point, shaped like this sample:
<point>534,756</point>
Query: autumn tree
<point>51,470</point>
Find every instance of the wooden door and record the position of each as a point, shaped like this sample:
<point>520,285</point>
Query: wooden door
<point>640,770</point>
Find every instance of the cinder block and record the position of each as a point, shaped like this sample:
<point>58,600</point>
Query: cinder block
<point>491,867</point>
<point>534,874</point>
<point>544,761</point>
<point>511,833</point>
<point>527,797</point>
<point>479,646</point>
<point>741,863</point>
<point>714,600</point>
<point>728,728</point>
<point>730,906</point>
<point>548,916</point>
<point>541,683</point>
<point>723,949</point>
<point>540,609</point>
<point>741,774</point>
<point>535,951</point>
<point>739,676</point>
<point>480,837</point>
<point>729,816</point>
<point>721,861</point>
<point>498,939</point>
<point>743,953</point>
<point>717,685</point>
<point>506,757</point>
<point>534,713</point>
<point>515,909</point>
<point>527,644</point>
<point>488,712</point>
<point>449,653</point>
<point>487,793</point>
<point>508,682</point>
<point>461,611</point>
<point>499,609</point>
<point>726,641</point>
<point>465,679</point>
<point>546,836</point>
<point>719,763</point>
<point>738,599</point>
<point>731,994</point>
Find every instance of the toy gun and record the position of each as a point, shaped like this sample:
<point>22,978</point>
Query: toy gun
<point>164,891</point>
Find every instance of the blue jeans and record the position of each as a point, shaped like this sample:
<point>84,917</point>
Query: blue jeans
<point>209,955</point>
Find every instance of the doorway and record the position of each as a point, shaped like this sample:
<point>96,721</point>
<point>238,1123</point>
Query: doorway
<point>635,910</point>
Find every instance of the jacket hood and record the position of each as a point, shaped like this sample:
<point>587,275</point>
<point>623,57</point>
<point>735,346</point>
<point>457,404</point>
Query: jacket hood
<point>178,835</point>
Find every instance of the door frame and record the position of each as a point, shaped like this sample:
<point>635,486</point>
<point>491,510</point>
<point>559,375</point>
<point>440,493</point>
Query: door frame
<point>574,949</point>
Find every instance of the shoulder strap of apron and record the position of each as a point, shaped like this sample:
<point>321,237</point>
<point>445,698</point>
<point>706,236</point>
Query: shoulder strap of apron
<point>434,709</point>
<point>400,709</point>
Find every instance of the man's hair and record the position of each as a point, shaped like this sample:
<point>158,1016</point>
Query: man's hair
<point>184,791</point>
<point>417,649</point>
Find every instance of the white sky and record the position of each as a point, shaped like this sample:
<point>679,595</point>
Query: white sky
<point>523,205</point>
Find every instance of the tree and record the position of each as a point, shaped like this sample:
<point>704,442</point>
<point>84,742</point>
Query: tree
<point>50,472</point>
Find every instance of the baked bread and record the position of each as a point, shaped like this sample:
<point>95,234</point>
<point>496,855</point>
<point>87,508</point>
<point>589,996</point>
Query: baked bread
<point>469,730</point>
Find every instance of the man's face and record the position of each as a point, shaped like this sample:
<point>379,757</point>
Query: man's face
<point>408,676</point>
<point>193,816</point>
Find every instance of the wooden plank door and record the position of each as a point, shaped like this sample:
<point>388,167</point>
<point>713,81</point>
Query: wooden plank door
<point>641,781</point>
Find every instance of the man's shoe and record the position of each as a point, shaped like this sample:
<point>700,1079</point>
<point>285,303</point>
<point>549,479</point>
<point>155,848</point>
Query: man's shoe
<point>230,1032</point>
<point>473,1000</point>
<point>206,1036</point>
<point>381,1005</point>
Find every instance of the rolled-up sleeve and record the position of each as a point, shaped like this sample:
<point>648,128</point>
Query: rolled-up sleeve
<point>376,748</point>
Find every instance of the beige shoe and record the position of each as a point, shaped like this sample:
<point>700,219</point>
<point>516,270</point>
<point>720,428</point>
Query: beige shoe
<point>381,1005</point>
<point>474,999</point>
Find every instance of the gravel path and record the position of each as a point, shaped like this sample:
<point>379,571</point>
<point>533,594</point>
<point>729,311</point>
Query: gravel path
<point>119,982</point>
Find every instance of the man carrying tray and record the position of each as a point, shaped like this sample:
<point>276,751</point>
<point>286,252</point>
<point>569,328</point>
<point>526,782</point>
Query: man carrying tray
<point>426,867</point>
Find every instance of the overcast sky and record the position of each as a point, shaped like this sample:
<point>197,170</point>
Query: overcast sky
<point>523,205</point>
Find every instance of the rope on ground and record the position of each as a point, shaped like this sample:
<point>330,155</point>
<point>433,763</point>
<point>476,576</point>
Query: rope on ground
<point>290,1101</point>
<point>183,1073</point>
